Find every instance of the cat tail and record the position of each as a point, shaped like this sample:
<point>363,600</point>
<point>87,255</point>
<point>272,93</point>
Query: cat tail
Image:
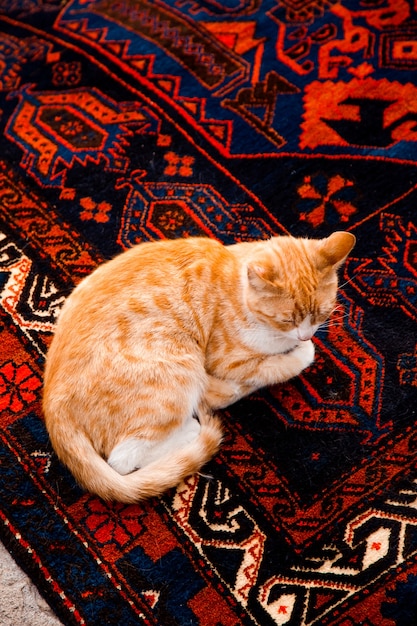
<point>94,474</point>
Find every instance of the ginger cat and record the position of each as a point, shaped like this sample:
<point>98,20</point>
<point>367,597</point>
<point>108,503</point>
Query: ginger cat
<point>155,339</point>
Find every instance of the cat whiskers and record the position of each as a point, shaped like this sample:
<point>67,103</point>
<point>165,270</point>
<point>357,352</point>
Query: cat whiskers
<point>349,280</point>
<point>208,477</point>
<point>335,319</point>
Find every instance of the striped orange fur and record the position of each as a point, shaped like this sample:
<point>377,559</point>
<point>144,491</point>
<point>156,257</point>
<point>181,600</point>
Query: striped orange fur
<point>153,341</point>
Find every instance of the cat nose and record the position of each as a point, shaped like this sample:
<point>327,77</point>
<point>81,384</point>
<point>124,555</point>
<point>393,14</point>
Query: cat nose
<point>304,335</point>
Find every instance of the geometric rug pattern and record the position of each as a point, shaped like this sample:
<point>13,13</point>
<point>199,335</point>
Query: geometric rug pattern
<point>138,120</point>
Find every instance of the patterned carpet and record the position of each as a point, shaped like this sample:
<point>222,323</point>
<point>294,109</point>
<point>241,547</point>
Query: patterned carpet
<point>131,120</point>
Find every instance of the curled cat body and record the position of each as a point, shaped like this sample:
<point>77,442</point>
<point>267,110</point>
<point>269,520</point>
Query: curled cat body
<point>155,340</point>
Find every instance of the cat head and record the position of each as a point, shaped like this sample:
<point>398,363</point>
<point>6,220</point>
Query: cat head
<point>292,283</point>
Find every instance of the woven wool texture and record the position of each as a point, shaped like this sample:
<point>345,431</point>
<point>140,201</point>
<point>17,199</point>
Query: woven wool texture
<point>132,121</point>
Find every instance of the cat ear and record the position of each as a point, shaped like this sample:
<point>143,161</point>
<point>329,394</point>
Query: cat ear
<point>262,276</point>
<point>334,250</point>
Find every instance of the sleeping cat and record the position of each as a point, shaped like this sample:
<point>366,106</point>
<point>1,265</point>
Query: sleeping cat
<point>153,341</point>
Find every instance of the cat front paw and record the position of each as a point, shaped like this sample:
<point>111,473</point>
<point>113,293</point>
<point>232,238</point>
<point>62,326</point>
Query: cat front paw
<point>305,353</point>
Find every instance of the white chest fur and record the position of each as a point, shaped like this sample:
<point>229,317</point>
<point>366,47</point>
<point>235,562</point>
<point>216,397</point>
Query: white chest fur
<point>266,340</point>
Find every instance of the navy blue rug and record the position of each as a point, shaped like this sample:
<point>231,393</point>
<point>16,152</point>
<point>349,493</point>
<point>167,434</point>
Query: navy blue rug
<point>127,121</point>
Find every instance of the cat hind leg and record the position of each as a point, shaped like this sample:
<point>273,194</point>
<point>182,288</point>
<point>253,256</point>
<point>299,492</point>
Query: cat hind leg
<point>221,393</point>
<point>135,452</point>
<point>127,456</point>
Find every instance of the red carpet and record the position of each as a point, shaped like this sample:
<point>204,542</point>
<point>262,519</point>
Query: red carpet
<point>130,121</point>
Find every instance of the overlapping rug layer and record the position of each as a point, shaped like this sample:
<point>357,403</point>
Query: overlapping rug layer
<point>134,120</point>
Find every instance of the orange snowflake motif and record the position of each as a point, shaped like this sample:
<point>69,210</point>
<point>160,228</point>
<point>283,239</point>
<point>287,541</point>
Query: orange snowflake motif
<point>171,220</point>
<point>95,211</point>
<point>19,386</point>
<point>66,73</point>
<point>326,196</point>
<point>178,165</point>
<point>70,128</point>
